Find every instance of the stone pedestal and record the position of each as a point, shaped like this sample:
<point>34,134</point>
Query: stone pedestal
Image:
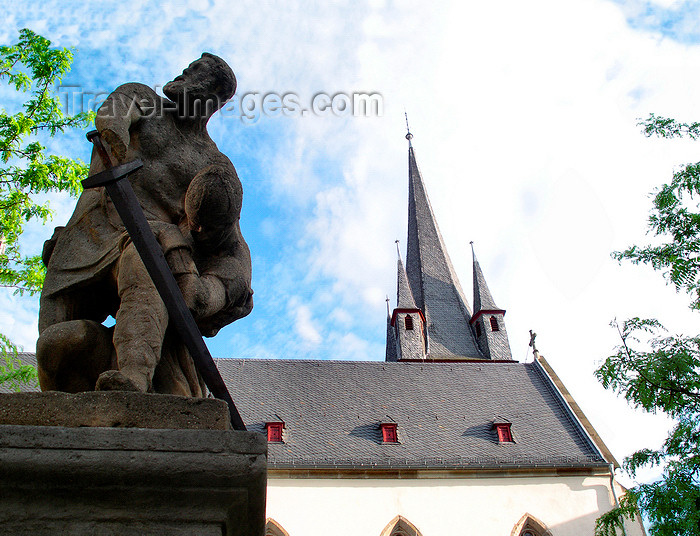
<point>123,481</point>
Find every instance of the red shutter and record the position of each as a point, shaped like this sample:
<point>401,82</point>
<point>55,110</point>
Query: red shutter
<point>389,433</point>
<point>274,432</point>
<point>504,435</point>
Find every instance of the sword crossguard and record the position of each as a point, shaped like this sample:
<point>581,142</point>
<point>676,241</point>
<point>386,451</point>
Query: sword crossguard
<point>111,174</point>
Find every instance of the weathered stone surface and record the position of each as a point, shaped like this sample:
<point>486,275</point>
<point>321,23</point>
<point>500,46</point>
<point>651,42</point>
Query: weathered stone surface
<point>121,481</point>
<point>110,409</point>
<point>94,270</point>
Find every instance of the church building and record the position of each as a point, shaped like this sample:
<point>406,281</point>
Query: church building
<point>447,436</point>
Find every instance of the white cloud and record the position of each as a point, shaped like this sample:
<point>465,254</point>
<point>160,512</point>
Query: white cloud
<point>303,323</point>
<point>18,319</point>
<point>524,117</point>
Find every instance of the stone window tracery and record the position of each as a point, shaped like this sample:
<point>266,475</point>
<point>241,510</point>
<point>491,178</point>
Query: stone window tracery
<point>400,526</point>
<point>272,528</point>
<point>530,526</point>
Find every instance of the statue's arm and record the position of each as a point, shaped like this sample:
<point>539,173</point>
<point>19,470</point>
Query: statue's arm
<point>125,106</point>
<point>204,294</point>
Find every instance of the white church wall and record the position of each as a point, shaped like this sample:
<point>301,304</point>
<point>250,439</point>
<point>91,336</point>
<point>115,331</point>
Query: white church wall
<point>568,506</point>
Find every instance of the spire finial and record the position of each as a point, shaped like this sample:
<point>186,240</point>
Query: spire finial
<point>409,136</point>
<point>471,243</point>
<point>388,312</point>
<point>398,251</point>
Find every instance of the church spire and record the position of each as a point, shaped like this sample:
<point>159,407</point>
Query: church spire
<point>482,294</point>
<point>488,320</point>
<point>432,279</point>
<point>404,296</point>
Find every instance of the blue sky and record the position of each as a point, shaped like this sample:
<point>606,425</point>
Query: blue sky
<point>675,20</point>
<point>524,119</point>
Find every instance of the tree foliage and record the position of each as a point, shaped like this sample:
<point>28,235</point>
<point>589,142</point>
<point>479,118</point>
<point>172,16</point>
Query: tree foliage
<point>657,371</point>
<point>675,218</point>
<point>12,372</point>
<point>27,170</point>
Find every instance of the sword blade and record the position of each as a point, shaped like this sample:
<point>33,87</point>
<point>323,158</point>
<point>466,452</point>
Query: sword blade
<point>131,213</point>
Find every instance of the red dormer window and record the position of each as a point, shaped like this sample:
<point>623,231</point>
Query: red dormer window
<point>409,323</point>
<point>389,434</point>
<point>504,435</point>
<point>503,431</point>
<point>274,431</point>
<point>494,324</point>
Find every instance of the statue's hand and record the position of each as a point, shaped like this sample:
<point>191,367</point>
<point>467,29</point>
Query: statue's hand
<point>245,306</point>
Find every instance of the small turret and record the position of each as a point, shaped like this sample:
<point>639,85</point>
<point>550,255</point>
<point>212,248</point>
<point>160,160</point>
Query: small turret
<point>407,320</point>
<point>488,319</point>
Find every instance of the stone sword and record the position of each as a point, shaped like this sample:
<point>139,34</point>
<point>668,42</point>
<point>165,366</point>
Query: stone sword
<point>115,180</point>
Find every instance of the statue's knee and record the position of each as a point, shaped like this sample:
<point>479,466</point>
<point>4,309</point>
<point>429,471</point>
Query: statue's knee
<point>71,355</point>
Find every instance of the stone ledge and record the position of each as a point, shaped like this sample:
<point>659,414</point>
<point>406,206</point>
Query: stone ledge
<point>113,409</point>
<point>117,481</point>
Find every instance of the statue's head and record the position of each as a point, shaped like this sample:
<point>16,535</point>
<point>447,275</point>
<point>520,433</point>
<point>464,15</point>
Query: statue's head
<point>205,85</point>
<point>213,205</point>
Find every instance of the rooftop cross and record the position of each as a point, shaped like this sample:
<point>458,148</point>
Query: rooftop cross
<point>532,342</point>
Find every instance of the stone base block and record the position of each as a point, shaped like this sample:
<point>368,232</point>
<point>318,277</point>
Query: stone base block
<point>101,481</point>
<point>119,409</point>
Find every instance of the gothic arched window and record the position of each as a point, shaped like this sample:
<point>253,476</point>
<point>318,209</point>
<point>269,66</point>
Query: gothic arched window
<point>400,526</point>
<point>530,526</point>
<point>272,528</point>
<point>494,324</point>
<point>408,322</point>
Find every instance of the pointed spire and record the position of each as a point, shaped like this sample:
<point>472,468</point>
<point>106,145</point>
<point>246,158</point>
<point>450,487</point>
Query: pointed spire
<point>432,279</point>
<point>404,296</point>
<point>483,301</point>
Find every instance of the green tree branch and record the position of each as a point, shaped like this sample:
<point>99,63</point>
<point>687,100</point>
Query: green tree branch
<point>31,66</point>
<point>658,372</point>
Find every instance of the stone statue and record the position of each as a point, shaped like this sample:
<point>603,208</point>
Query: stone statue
<point>191,196</point>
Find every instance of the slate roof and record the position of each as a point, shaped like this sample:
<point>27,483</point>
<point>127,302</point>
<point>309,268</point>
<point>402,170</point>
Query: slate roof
<point>432,278</point>
<point>445,411</point>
